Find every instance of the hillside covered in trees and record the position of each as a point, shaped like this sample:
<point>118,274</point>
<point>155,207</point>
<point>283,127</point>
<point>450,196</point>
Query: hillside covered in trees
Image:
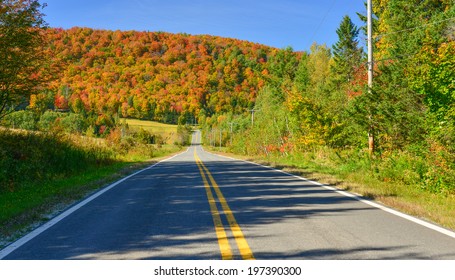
<point>154,75</point>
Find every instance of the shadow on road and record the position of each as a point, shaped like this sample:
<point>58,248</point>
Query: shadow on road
<point>163,213</point>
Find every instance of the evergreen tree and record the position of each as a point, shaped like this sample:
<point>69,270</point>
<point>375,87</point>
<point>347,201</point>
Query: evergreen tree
<point>409,32</point>
<point>346,52</point>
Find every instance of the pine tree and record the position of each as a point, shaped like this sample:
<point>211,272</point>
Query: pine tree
<point>346,52</point>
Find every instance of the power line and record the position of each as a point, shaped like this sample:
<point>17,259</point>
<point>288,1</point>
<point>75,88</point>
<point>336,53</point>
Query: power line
<point>321,22</point>
<point>402,57</point>
<point>412,28</point>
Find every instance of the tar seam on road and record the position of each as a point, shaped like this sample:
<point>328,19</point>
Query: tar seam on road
<point>225,249</point>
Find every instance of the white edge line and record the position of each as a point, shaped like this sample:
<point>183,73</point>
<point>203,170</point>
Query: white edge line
<point>361,199</point>
<point>18,243</point>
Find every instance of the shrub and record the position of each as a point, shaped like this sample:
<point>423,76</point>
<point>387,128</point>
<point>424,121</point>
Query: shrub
<point>183,135</point>
<point>21,119</point>
<point>48,120</point>
<point>74,123</point>
<point>144,136</point>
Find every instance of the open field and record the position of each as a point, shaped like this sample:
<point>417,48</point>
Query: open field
<point>167,131</point>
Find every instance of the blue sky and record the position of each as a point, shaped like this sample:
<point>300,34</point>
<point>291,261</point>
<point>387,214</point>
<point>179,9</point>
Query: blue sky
<point>277,23</point>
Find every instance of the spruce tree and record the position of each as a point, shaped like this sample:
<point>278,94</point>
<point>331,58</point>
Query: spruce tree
<point>346,52</point>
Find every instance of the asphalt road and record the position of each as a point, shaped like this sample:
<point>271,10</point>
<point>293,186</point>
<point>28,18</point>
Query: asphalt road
<point>198,205</point>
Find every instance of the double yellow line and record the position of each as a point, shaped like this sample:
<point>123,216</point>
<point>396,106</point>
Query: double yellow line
<point>225,248</point>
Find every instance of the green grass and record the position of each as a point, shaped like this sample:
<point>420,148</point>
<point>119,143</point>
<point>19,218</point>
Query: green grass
<point>43,172</point>
<point>167,131</point>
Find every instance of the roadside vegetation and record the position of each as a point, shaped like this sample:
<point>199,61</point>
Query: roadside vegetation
<point>43,171</point>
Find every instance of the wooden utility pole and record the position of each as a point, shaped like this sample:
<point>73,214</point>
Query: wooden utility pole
<point>370,73</point>
<point>252,116</point>
<point>230,135</point>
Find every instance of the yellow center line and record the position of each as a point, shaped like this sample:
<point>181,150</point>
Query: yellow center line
<point>242,244</point>
<point>223,243</point>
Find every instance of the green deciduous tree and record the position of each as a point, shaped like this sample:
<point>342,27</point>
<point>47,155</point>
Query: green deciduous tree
<point>21,61</point>
<point>282,67</point>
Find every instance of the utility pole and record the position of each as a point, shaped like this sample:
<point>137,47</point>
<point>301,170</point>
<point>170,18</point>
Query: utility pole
<point>212,140</point>
<point>220,137</point>
<point>252,116</point>
<point>230,135</point>
<point>370,72</point>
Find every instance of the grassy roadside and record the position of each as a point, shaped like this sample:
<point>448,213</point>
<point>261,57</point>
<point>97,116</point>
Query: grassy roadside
<point>433,207</point>
<point>34,204</point>
<point>43,173</point>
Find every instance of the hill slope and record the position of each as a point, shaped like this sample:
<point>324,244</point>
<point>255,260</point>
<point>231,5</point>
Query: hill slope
<point>155,75</point>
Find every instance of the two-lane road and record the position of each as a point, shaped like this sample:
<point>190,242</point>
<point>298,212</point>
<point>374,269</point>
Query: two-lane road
<point>198,205</point>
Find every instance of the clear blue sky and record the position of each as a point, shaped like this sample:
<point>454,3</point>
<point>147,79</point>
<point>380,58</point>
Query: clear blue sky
<point>277,23</point>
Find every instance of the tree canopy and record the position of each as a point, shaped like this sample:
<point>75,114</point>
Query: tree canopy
<point>21,57</point>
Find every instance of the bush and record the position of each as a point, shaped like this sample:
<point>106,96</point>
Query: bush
<point>22,120</point>
<point>439,172</point>
<point>48,120</point>
<point>144,136</point>
<point>74,123</point>
<point>183,135</point>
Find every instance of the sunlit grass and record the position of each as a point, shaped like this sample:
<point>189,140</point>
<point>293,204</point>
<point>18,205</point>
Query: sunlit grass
<point>167,131</point>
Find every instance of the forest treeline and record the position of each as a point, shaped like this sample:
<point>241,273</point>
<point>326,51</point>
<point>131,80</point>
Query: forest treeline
<point>259,100</point>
